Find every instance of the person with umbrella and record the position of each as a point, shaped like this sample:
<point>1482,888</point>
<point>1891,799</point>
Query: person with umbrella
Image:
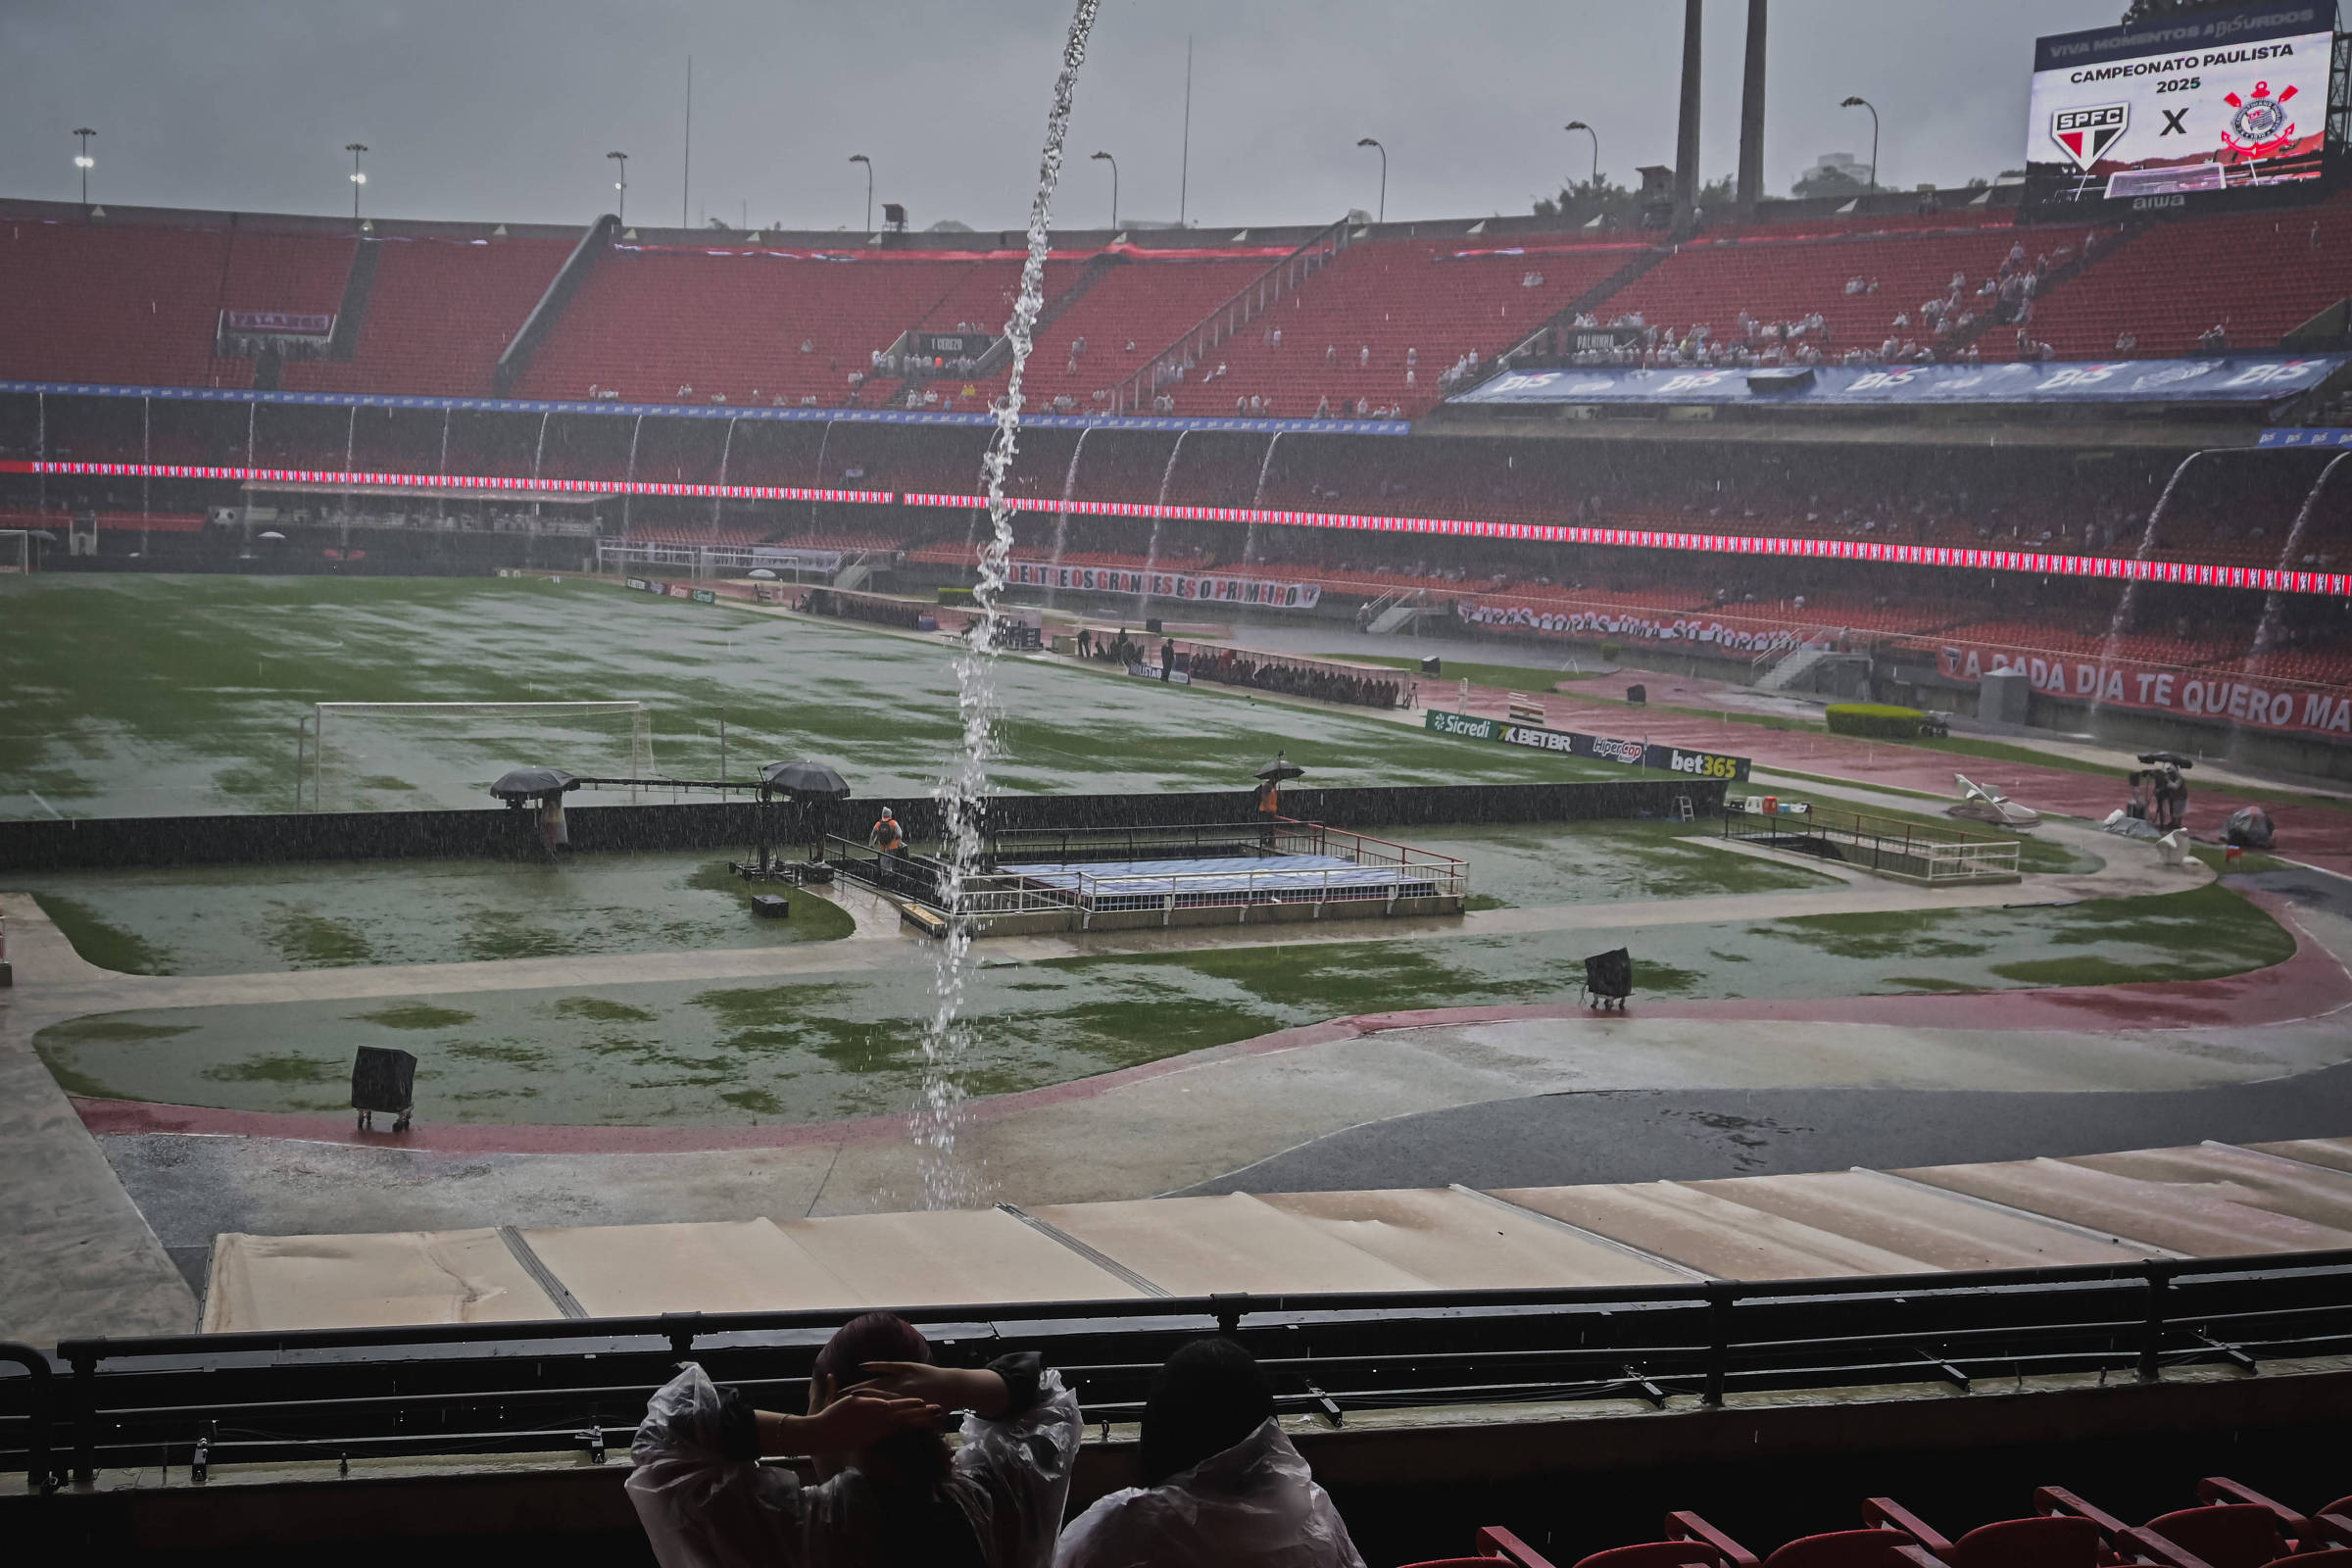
<point>1269,793</point>
<point>802,783</point>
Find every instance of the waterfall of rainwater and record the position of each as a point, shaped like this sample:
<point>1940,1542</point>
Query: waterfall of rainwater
<point>1062,519</point>
<point>818,481</point>
<point>961,794</point>
<point>636,430</point>
<point>1151,551</point>
<point>538,455</point>
<point>2122,618</point>
<point>719,503</point>
<point>1257,498</point>
<point>2267,632</point>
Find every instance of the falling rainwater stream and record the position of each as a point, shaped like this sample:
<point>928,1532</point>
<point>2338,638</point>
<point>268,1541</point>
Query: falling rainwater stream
<point>538,455</point>
<point>818,480</point>
<point>719,503</point>
<point>1062,519</point>
<point>1151,551</point>
<point>2266,632</point>
<point>947,1038</point>
<point>1257,498</point>
<point>2124,604</point>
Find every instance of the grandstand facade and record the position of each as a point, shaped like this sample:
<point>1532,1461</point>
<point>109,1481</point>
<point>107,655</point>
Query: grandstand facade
<point>1758,439</point>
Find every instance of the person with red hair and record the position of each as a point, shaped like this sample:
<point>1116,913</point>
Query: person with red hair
<point>890,1492</point>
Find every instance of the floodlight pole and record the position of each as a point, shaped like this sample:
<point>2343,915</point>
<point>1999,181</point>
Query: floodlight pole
<point>1114,186</point>
<point>1864,102</point>
<point>860,157</point>
<point>358,177</point>
<point>1578,125</point>
<point>85,162</point>
<point>621,208</point>
<point>1375,145</point>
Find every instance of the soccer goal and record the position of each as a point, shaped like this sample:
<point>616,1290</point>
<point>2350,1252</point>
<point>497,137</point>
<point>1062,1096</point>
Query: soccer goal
<point>357,756</point>
<point>16,551</point>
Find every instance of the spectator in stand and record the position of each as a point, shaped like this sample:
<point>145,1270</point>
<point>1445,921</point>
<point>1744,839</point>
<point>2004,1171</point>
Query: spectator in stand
<point>1363,357</point>
<point>890,1492</point>
<point>2126,344</point>
<point>1222,1486</point>
<point>2213,340</point>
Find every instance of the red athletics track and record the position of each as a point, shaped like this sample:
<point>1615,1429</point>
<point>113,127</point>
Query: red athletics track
<point>2312,832</point>
<point>2312,984</point>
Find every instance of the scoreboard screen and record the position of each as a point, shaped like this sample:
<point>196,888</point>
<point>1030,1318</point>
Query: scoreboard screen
<point>2162,114</point>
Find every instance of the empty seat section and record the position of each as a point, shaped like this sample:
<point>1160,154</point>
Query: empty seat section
<point>751,327</point>
<point>303,273</point>
<point>439,315</point>
<point>119,305</point>
<point>1145,304</point>
<point>1387,318</point>
<point>2258,274</point>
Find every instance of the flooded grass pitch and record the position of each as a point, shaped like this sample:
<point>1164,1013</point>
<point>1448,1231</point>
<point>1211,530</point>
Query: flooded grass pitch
<point>848,1044</point>
<point>171,695</point>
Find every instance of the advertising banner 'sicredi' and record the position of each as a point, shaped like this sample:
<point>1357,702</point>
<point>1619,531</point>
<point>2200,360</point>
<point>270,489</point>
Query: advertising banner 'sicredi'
<point>2160,114</point>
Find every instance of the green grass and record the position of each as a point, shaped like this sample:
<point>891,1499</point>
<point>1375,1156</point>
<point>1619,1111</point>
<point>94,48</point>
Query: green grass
<point>109,946</point>
<point>813,916</point>
<point>1503,677</point>
<point>415,1015</point>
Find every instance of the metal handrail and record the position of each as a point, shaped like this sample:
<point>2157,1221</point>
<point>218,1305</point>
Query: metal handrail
<point>38,1476</point>
<point>1318,252</point>
<point>452,1387</point>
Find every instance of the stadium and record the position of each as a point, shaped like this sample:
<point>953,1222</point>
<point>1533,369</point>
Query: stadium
<point>1686,856</point>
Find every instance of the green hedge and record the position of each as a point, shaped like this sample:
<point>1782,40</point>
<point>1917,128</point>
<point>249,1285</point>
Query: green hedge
<point>1876,721</point>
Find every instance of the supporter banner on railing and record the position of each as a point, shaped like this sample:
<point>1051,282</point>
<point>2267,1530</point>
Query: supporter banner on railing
<point>1596,748</point>
<point>280,323</point>
<point>1182,586</point>
<point>2307,437</point>
<point>2214,378</point>
<point>1697,629</point>
<point>2187,693</point>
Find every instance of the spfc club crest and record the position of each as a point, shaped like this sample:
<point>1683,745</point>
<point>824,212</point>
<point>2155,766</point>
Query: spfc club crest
<point>2258,126</point>
<point>2085,134</point>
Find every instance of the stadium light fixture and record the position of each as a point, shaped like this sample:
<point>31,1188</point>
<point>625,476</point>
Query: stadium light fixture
<point>85,162</point>
<point>1105,157</point>
<point>358,177</point>
<point>860,157</point>
<point>622,184</point>
<point>1864,102</point>
<point>1578,125</point>
<point>1375,145</point>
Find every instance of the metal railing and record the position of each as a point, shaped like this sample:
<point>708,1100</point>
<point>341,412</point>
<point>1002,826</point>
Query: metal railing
<point>1878,843</point>
<point>472,1389</point>
<point>1284,278</point>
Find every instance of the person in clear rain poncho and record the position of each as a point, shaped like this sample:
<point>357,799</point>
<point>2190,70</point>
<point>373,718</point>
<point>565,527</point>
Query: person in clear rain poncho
<point>890,1493</point>
<point>1222,1486</point>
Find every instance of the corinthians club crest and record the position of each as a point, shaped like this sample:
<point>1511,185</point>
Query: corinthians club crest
<point>2085,134</point>
<point>2258,126</point>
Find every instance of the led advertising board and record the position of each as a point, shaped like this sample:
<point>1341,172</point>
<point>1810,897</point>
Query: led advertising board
<point>2181,112</point>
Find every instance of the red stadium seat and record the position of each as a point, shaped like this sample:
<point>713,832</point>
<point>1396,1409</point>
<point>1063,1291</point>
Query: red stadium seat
<point>2044,1542</point>
<point>1842,1548</point>
<point>2219,1535</point>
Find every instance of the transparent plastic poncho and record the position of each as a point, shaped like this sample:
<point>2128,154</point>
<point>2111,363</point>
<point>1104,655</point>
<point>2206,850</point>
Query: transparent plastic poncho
<point>1255,1506</point>
<point>1010,1478</point>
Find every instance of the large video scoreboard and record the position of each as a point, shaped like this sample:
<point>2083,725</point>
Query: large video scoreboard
<point>2194,108</point>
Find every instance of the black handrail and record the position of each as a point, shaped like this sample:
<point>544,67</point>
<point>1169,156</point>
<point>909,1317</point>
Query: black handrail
<point>417,1390</point>
<point>37,1474</point>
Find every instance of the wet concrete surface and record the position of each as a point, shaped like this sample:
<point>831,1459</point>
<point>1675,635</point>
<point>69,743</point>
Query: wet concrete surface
<point>1561,1140</point>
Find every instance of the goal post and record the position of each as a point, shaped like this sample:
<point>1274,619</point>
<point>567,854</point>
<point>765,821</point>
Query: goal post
<point>16,551</point>
<point>348,752</point>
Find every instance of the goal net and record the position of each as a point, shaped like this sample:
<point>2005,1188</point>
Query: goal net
<point>16,551</point>
<point>389,756</point>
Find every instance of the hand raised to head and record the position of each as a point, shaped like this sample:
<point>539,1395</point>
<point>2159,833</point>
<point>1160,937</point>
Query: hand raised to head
<point>859,1419</point>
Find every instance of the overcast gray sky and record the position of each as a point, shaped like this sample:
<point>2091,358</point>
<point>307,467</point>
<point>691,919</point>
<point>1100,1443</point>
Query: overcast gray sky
<point>503,109</point>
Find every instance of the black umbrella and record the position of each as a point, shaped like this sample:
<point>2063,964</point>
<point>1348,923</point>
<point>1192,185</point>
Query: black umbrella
<point>808,781</point>
<point>2173,758</point>
<point>1281,768</point>
<point>530,783</point>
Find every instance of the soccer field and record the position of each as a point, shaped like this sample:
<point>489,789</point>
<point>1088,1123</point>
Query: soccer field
<point>169,695</point>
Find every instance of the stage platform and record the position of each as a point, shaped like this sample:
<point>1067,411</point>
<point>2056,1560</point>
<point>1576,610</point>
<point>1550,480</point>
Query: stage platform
<point>1090,879</point>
